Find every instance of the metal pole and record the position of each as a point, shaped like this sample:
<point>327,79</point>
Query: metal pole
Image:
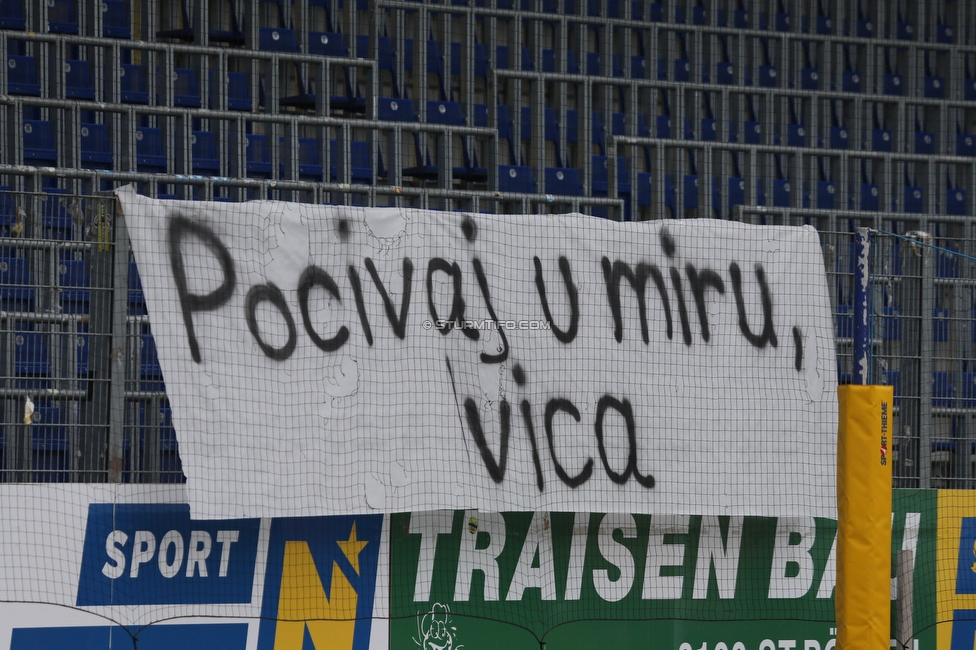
<point>862,311</point>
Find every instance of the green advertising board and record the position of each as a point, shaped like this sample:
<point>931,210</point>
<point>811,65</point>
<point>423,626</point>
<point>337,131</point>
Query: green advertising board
<point>517,580</point>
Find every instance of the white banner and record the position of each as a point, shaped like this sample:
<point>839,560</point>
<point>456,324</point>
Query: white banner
<point>329,359</point>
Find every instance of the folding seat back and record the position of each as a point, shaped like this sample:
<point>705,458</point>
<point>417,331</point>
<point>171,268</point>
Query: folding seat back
<point>77,80</point>
<point>96,150</point>
<point>39,145</point>
<point>115,19</point>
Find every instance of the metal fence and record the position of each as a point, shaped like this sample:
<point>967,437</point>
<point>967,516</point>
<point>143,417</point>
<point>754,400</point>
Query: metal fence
<point>82,396</point>
<point>923,332</point>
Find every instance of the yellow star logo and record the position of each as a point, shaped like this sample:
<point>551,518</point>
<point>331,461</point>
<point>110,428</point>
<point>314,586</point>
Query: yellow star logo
<point>352,547</point>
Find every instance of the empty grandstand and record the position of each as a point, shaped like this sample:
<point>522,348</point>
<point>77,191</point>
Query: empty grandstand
<point>835,114</point>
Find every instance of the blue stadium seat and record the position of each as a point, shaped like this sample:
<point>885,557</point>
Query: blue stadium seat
<point>115,19</point>
<point>780,187</point>
<point>387,59</point>
<point>77,80</point>
<point>645,191</point>
<point>132,84</point>
<point>904,29</point>
<point>150,153</point>
<point>947,263</point>
<point>12,15</point>
<point>39,146</point>
<point>724,70</point>
<point>638,62</point>
<point>601,178</point>
<point>864,27</point>
<point>965,142</point>
<point>869,199</point>
<point>751,127</point>
<point>655,13</point>
<point>664,122</point>
<point>61,17</point>
<point>826,190</point>
<point>891,323</point>
<point>601,184</point>
<point>448,113</point>
<point>809,74</point>
<point>75,292</point>
<point>8,219</point>
<point>563,181</point>
<point>55,221</point>
<point>549,61</point>
<point>327,44</point>
<point>913,199</point>
<point>32,365</point>
<point>238,91</point>
<point>309,161</point>
<point>515,178</point>
<point>203,150</point>
<point>16,293</point>
<point>257,157</point>
<point>361,170</point>
<point>401,110</point>
<point>689,183</point>
<point>186,93</point>
<point>480,60</point>
<point>869,194</point>
<point>96,151</point>
<point>955,198</point>
<point>767,75</point>
<point>822,24</point>
<point>933,84</point>
<point>969,83</point>
<point>506,134</point>
<point>881,137</point>
<point>552,136</point>
<point>893,83</point>
<point>942,389</point>
<point>392,109</point>
<point>333,44</point>
<point>850,77</point>
<point>968,389</point>
<point>796,133</point>
<point>22,76</point>
<point>280,39</point>
<point>736,189</point>
<point>924,139</point>
<point>503,62</point>
<point>839,135</point>
<point>940,325</point>
<point>781,18</point>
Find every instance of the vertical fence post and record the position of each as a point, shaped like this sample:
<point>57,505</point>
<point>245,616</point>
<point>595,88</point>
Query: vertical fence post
<point>862,308</point>
<point>926,349</point>
<point>120,306</point>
